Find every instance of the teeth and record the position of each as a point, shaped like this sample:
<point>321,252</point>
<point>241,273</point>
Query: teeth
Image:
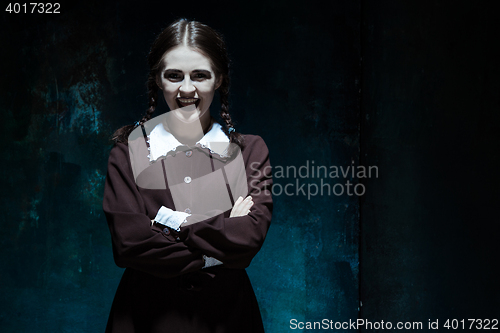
<point>187,100</point>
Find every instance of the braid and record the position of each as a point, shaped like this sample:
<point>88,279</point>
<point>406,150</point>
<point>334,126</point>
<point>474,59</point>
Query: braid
<point>121,135</point>
<point>153,98</point>
<point>234,136</point>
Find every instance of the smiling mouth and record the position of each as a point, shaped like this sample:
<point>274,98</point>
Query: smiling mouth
<point>182,102</point>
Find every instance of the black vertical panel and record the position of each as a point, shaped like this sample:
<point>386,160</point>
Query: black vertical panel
<point>430,121</point>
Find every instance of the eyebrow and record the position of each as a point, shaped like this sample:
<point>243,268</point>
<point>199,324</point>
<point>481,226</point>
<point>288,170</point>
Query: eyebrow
<point>193,71</point>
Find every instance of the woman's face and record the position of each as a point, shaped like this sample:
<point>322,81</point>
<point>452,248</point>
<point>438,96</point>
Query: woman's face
<point>187,80</point>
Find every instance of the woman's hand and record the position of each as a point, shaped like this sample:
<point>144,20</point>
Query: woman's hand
<point>241,207</point>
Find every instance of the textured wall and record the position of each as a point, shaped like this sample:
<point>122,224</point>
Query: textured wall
<point>69,80</point>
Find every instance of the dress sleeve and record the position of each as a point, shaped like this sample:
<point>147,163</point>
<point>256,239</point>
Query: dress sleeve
<point>236,240</point>
<point>136,243</point>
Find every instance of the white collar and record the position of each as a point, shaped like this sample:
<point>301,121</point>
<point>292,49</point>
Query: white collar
<point>161,142</point>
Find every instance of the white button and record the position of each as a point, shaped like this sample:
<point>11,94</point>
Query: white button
<point>187,180</point>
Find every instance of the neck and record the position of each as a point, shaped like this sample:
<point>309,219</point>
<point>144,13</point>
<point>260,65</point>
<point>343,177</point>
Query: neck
<point>188,126</point>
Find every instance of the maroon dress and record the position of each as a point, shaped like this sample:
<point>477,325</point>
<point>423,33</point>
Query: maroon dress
<point>164,287</point>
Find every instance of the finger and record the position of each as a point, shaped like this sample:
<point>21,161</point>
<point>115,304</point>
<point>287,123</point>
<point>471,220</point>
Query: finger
<point>238,209</point>
<point>242,210</point>
<point>234,212</point>
<point>236,206</point>
<point>247,206</point>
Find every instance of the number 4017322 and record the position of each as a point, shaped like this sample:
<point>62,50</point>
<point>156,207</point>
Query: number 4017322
<point>479,324</point>
<point>33,7</point>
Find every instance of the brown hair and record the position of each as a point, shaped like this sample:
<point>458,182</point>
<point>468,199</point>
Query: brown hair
<point>207,41</point>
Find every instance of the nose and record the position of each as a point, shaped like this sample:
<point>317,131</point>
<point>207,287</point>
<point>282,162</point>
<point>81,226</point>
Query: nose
<point>187,86</point>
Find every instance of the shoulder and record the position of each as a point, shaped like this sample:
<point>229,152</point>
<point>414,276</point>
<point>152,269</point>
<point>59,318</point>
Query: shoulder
<point>119,153</point>
<point>253,142</point>
<point>254,148</point>
<point>119,147</point>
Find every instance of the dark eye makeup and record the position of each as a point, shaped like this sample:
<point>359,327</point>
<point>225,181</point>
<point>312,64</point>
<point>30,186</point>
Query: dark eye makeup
<point>173,76</point>
<point>177,75</point>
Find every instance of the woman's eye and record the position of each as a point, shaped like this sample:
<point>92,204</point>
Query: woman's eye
<point>200,76</point>
<point>173,76</point>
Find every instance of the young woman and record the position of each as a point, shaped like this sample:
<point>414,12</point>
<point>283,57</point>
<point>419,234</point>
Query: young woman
<point>185,239</point>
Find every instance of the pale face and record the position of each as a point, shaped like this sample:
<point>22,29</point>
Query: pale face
<point>187,81</point>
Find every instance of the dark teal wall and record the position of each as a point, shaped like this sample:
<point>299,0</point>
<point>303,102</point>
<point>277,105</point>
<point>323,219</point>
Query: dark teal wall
<point>69,80</point>
<point>427,116</point>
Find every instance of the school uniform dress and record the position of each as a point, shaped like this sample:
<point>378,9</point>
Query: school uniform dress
<point>187,277</point>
